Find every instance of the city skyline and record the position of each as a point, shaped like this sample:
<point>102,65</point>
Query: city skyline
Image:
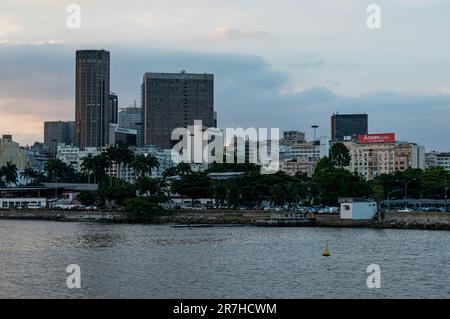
<point>327,62</point>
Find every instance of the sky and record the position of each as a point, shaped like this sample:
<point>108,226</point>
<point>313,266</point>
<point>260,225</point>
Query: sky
<point>286,63</point>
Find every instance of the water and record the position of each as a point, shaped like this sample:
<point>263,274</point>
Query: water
<point>149,261</point>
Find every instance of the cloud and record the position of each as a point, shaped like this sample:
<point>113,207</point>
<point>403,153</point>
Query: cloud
<point>49,42</point>
<point>291,89</point>
<point>37,84</point>
<point>228,33</point>
<point>9,25</point>
<point>444,89</point>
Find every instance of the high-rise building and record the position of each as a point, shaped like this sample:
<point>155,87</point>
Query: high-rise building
<point>173,100</point>
<point>58,132</point>
<point>345,127</point>
<point>92,98</point>
<point>114,108</point>
<point>131,118</point>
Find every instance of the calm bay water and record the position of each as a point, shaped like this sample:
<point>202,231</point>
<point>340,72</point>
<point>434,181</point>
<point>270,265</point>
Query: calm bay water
<point>148,261</point>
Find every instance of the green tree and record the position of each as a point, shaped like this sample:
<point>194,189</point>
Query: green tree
<point>86,198</point>
<point>434,182</point>
<point>378,196</point>
<point>145,184</point>
<point>194,185</point>
<point>32,176</point>
<point>58,171</point>
<point>143,165</point>
<point>183,168</point>
<point>8,174</point>
<point>329,182</point>
<point>339,155</point>
<point>144,209</point>
<point>118,192</point>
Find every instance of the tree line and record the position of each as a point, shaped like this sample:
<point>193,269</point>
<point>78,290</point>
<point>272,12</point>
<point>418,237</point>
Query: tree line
<point>330,180</point>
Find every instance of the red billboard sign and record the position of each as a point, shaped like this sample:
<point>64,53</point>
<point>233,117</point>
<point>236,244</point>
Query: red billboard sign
<point>376,138</point>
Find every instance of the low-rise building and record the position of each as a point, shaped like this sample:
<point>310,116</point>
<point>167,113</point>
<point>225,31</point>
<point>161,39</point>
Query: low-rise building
<point>434,159</point>
<point>293,137</point>
<point>303,157</point>
<point>357,208</point>
<point>299,164</point>
<point>409,155</point>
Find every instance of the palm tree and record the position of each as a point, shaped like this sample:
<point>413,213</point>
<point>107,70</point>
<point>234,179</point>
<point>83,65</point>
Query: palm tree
<point>126,156</point>
<point>29,174</point>
<point>151,163</point>
<point>55,168</point>
<point>183,168</point>
<point>119,155</point>
<point>143,165</point>
<point>88,166</point>
<point>9,173</point>
<point>112,155</point>
<point>139,165</point>
<point>169,172</point>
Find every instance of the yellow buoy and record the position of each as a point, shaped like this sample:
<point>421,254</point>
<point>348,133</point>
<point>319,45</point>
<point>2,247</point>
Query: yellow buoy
<point>326,252</point>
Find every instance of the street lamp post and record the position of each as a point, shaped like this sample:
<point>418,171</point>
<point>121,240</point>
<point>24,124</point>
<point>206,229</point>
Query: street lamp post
<point>389,197</point>
<point>406,192</point>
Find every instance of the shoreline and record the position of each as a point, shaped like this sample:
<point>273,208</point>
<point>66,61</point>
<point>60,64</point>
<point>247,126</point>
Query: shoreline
<point>229,218</point>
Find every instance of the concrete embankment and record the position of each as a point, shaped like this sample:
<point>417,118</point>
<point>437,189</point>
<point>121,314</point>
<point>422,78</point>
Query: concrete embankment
<point>166,217</point>
<point>437,221</point>
<point>432,221</point>
<point>63,216</point>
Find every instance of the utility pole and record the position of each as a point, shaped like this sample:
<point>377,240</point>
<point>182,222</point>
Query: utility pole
<point>315,127</point>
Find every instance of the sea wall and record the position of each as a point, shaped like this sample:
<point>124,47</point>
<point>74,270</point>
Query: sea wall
<point>63,216</point>
<point>437,221</point>
<point>429,220</point>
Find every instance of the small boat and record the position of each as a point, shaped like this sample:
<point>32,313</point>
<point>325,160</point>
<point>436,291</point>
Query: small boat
<point>192,226</point>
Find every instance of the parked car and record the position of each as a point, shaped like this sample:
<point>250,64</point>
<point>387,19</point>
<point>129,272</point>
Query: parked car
<point>405,210</point>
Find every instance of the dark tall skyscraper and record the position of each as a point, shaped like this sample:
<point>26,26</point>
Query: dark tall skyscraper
<point>172,100</point>
<point>114,108</point>
<point>346,126</point>
<point>92,98</point>
<point>58,132</point>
